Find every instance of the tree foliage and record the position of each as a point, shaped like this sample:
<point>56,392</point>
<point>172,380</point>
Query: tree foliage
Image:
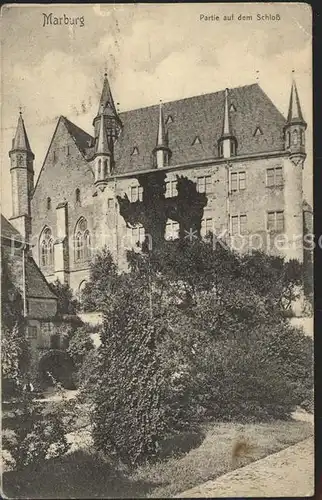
<point>195,331</point>
<point>14,346</point>
<point>66,304</point>
<point>102,271</point>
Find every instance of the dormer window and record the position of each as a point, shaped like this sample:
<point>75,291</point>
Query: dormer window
<point>48,203</point>
<point>196,141</point>
<point>232,107</point>
<point>169,120</point>
<point>135,151</point>
<point>258,131</point>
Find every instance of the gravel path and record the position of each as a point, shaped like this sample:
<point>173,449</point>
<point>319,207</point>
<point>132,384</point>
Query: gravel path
<point>288,473</point>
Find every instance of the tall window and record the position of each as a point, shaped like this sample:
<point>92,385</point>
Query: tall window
<point>295,137</point>
<point>137,235</point>
<point>275,220</point>
<point>105,173</point>
<point>204,184</point>
<point>238,181</point>
<point>171,230</point>
<point>238,224</point>
<point>274,177</point>
<point>206,226</point>
<point>171,189</point>
<point>136,193</point>
<point>82,241</point>
<point>46,245</point>
<point>48,203</point>
<point>77,197</point>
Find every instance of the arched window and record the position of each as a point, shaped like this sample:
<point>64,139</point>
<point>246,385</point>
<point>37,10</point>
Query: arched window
<point>82,241</point>
<point>46,245</point>
<point>77,196</point>
<point>48,203</point>
<point>295,137</point>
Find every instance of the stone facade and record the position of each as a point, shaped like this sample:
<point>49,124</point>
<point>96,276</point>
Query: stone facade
<point>235,146</point>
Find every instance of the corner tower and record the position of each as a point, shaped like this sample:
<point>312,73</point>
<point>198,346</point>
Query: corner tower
<point>22,179</point>
<point>294,129</point>
<point>294,134</point>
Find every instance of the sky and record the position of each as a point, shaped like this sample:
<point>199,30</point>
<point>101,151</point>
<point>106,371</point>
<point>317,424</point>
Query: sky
<point>150,52</point>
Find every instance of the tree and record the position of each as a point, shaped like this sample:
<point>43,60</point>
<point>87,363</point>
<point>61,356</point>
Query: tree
<point>66,304</point>
<point>102,272</point>
<point>194,331</point>
<point>14,346</point>
<point>80,344</point>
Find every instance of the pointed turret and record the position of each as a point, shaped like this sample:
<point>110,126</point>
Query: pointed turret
<point>161,152</point>
<point>21,141</point>
<point>294,129</point>
<point>103,154</point>
<point>107,107</point>
<point>22,179</point>
<point>102,145</point>
<point>294,110</point>
<point>227,144</point>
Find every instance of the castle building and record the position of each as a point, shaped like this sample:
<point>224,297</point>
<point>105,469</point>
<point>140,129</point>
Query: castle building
<point>227,162</point>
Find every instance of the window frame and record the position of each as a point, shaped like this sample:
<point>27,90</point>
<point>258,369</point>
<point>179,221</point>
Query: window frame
<point>273,176</point>
<point>204,184</point>
<point>275,227</point>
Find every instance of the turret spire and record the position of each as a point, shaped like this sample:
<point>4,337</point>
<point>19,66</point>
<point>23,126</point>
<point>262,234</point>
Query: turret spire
<point>227,144</point>
<point>161,137</point>
<point>295,126</point>
<point>102,145</point>
<point>161,151</point>
<point>226,124</point>
<point>107,108</point>
<point>107,102</point>
<point>294,110</point>
<point>21,141</point>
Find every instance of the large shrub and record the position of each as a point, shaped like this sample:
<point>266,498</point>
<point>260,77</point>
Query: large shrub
<point>129,416</point>
<point>37,435</point>
<point>102,271</point>
<point>194,332</point>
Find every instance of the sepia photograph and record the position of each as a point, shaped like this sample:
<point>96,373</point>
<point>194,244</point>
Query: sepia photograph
<point>157,251</point>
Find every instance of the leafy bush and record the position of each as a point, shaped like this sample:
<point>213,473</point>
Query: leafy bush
<point>80,344</point>
<point>66,304</point>
<point>191,333</point>
<point>36,435</point>
<point>102,270</point>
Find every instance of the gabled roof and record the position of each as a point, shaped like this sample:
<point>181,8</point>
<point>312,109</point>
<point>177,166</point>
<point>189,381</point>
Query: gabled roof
<point>36,284</point>
<point>82,139</point>
<point>8,231</point>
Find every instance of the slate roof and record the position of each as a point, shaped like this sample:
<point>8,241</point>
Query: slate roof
<point>82,138</point>
<point>200,116</point>
<point>36,284</point>
<point>8,231</point>
<point>21,140</point>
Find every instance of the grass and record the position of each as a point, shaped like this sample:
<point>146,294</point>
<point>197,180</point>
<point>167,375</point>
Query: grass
<point>225,447</point>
